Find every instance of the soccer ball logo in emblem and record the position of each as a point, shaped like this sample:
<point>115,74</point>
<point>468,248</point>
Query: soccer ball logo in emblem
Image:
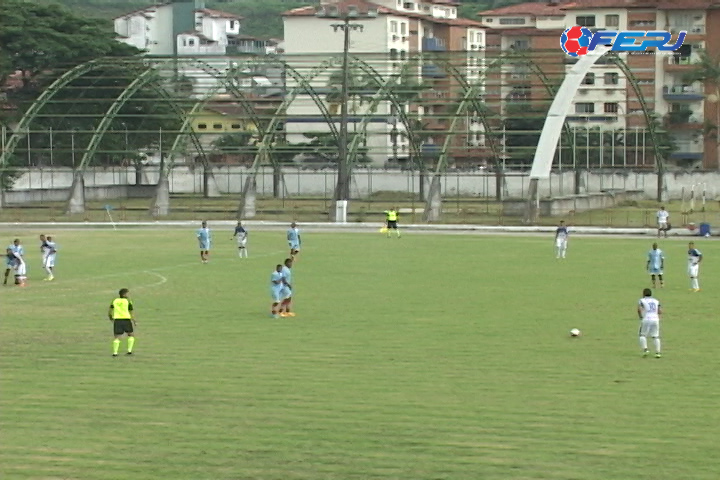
<point>575,40</point>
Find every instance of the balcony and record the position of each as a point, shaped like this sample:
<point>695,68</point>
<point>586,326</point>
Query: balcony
<point>430,150</point>
<point>433,44</point>
<point>683,120</point>
<point>679,63</point>
<point>679,93</point>
<point>592,118</point>
<point>432,71</point>
<point>687,151</point>
<point>691,30</point>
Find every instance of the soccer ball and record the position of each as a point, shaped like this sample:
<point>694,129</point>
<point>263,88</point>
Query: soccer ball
<point>575,41</point>
<point>574,332</point>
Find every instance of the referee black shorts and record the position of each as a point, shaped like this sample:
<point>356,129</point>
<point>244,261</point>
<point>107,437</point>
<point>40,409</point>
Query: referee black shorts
<point>121,326</point>
<point>392,224</point>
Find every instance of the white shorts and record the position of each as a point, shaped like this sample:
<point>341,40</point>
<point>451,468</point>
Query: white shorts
<point>693,270</point>
<point>561,243</point>
<point>649,328</point>
<point>242,243</point>
<point>21,269</point>
<point>662,225</point>
<point>49,261</point>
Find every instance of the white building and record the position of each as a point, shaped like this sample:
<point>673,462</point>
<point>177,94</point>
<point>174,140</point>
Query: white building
<point>188,29</point>
<point>398,30</point>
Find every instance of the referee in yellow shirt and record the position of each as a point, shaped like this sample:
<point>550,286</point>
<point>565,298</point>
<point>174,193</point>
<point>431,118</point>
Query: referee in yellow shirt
<point>391,219</point>
<point>120,313</point>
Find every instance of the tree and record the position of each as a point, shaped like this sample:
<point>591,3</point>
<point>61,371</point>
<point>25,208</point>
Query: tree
<point>707,70</point>
<point>43,42</point>
<point>37,38</point>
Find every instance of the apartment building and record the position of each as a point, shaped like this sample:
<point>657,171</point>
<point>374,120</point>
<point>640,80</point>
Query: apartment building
<point>397,31</point>
<point>606,99</point>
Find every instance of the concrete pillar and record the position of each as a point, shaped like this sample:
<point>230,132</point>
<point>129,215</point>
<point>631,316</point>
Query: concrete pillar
<point>247,208</point>
<point>433,205</point>
<point>532,212</point>
<point>76,202</point>
<point>210,186</point>
<point>160,206</point>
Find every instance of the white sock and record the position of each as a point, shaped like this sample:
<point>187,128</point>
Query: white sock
<point>643,343</point>
<point>695,283</point>
<point>246,252</point>
<point>240,252</point>
<point>656,340</point>
<point>49,271</point>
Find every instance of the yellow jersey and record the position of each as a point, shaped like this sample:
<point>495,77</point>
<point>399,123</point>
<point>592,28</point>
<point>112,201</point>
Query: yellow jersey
<point>391,215</point>
<point>121,308</point>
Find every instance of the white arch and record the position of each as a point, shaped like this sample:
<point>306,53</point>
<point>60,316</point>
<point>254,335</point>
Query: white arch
<point>559,109</point>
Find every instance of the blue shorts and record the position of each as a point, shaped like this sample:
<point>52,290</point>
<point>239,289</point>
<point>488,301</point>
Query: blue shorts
<point>9,263</point>
<point>655,271</point>
<point>294,246</point>
<point>277,294</point>
<point>204,246</point>
<point>286,292</point>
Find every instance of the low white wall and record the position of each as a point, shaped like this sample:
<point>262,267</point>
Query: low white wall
<point>299,182</point>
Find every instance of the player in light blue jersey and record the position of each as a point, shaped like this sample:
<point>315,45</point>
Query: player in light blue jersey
<point>293,238</point>
<point>561,240</point>
<point>277,285</point>
<point>655,265</point>
<point>287,290</point>
<point>18,264</point>
<point>204,239</point>
<point>694,259</point>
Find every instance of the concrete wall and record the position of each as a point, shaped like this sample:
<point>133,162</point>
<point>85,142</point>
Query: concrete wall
<point>230,180</point>
<point>572,203</point>
<point>20,197</point>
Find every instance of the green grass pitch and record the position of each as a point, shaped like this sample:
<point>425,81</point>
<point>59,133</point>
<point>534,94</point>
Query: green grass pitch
<point>429,357</point>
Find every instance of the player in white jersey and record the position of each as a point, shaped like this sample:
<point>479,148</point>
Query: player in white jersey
<point>694,259</point>
<point>662,220</point>
<point>49,264</point>
<point>242,237</point>
<point>649,311</point>
<point>655,265</point>
<point>561,240</point>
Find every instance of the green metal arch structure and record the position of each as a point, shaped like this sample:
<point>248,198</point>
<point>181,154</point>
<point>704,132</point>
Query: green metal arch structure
<point>224,82</point>
<point>385,93</point>
<point>649,119</point>
<point>471,99</point>
<point>66,79</point>
<point>44,98</point>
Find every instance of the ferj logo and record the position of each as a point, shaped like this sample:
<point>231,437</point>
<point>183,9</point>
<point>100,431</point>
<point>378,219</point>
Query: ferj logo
<point>578,41</point>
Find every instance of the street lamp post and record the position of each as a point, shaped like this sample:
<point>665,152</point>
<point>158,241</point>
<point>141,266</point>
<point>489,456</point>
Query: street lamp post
<point>346,17</point>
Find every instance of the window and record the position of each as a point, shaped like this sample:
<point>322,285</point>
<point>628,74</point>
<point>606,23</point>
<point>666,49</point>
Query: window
<point>585,20</point>
<point>520,45</point>
<point>184,42</point>
<point>403,54</point>
<point>611,108</point>
<point>612,78</point>
<point>202,126</point>
<point>612,20</point>
<point>589,79</point>
<point>488,20</point>
<point>512,21</point>
<point>409,6</point>
<point>232,24</point>
<point>217,126</point>
<point>236,126</point>
<point>403,28</point>
<point>191,42</point>
<point>584,108</point>
<point>393,26</point>
<point>393,54</point>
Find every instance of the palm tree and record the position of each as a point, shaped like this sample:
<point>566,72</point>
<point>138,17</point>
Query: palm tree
<point>707,70</point>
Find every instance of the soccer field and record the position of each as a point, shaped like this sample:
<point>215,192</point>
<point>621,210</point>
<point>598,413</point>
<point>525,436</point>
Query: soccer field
<point>427,357</point>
